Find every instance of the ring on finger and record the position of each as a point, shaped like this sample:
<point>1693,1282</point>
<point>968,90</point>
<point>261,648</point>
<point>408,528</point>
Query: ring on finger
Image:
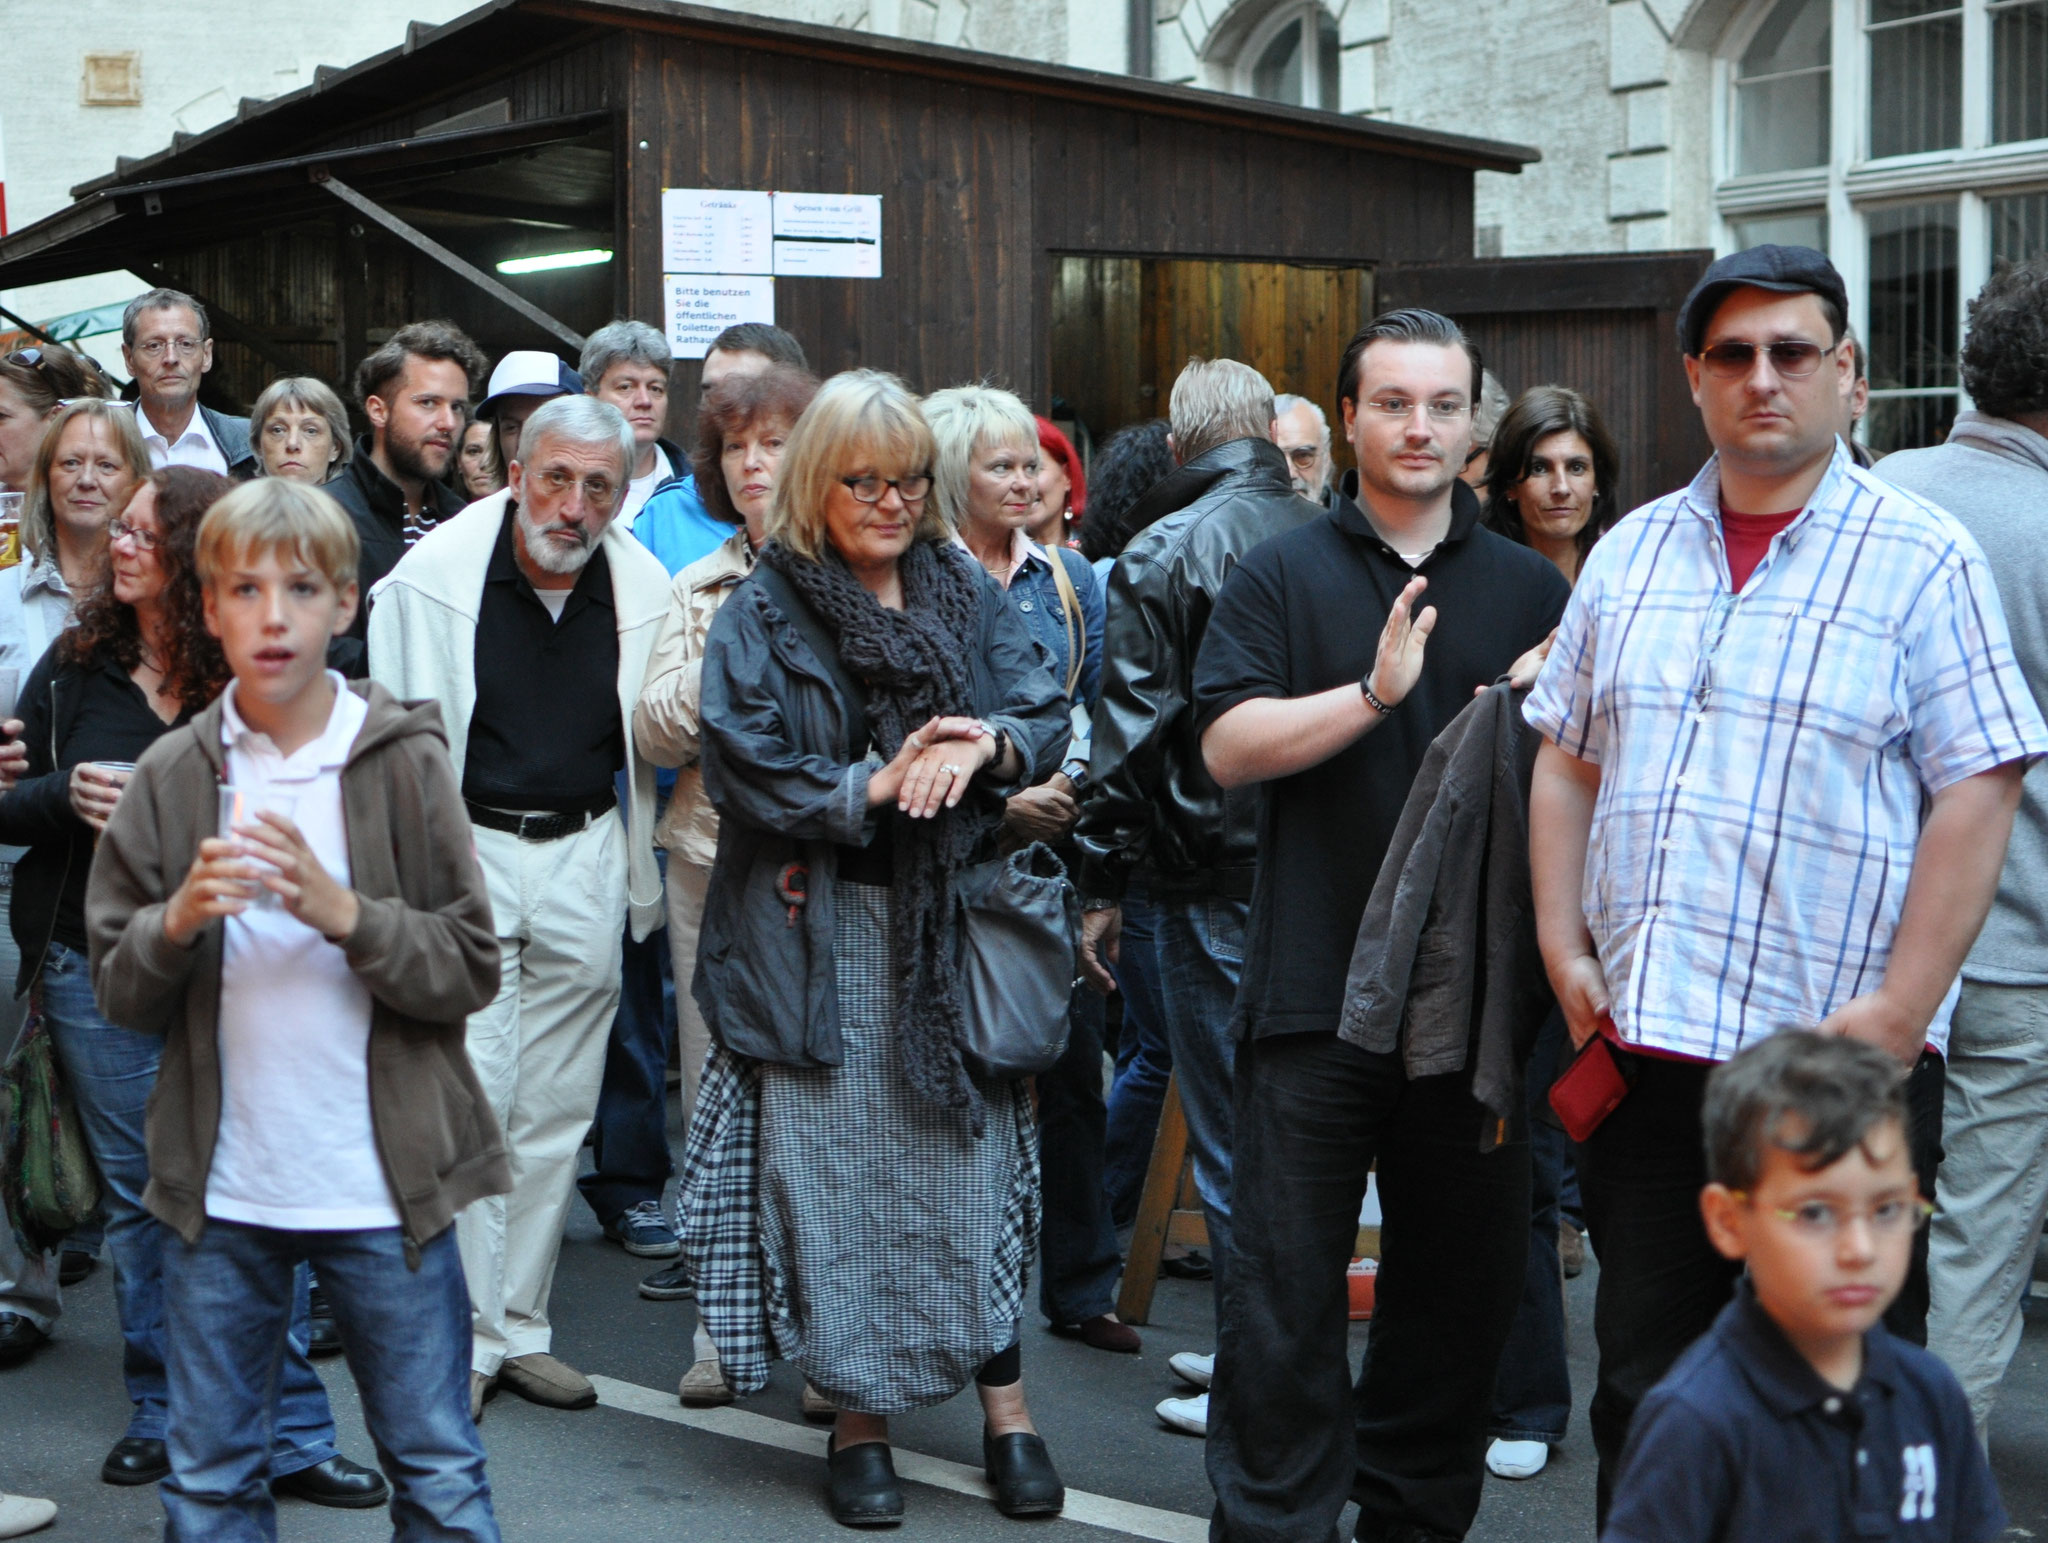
<point>951,769</point>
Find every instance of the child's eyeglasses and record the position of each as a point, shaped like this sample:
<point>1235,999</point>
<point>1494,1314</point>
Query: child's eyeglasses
<point>1822,1219</point>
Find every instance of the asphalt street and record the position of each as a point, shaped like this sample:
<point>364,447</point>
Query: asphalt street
<point>641,1467</point>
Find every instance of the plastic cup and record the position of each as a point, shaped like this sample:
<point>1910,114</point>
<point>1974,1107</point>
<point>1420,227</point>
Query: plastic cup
<point>10,528</point>
<point>240,807</point>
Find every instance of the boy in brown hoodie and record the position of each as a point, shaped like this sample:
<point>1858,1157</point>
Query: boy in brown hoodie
<point>311,970</point>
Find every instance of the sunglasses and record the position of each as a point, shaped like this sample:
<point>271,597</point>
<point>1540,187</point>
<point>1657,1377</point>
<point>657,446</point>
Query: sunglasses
<point>29,358</point>
<point>1792,359</point>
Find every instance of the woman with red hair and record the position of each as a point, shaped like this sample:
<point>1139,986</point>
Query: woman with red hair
<point>1062,487</point>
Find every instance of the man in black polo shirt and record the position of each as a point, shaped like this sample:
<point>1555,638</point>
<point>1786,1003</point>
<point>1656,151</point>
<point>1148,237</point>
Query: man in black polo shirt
<point>1323,678</point>
<point>530,617</point>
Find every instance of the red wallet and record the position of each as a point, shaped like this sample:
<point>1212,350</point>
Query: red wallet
<point>1590,1089</point>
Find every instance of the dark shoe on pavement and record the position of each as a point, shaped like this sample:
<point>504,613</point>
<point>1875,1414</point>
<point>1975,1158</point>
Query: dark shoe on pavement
<point>19,1339</point>
<point>1192,1265</point>
<point>670,1283</point>
<point>339,1483</point>
<point>136,1460</point>
<point>862,1484</point>
<point>1021,1470</point>
<point>642,1231</point>
<point>1103,1332</point>
<point>326,1338</point>
<point>73,1265</point>
<point>482,1390</point>
<point>1571,1250</point>
<point>541,1379</point>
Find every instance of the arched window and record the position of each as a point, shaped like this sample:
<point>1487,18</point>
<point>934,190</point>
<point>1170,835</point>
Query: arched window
<point>1291,57</point>
<point>1781,90</point>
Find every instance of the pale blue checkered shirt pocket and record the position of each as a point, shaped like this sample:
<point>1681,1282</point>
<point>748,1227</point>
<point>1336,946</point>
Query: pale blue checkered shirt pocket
<point>1766,758</point>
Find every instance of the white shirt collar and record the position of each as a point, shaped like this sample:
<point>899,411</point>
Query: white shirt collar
<point>195,430</point>
<point>1022,550</point>
<point>328,752</point>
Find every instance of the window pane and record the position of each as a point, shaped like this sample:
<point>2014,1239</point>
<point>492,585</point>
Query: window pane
<point>2019,73</point>
<point>1277,75</point>
<point>1782,118</point>
<point>1916,84</point>
<point>1327,48</point>
<point>1913,297</point>
<point>1908,422</point>
<point>1809,229</point>
<point>1902,10</point>
<point>2019,227</point>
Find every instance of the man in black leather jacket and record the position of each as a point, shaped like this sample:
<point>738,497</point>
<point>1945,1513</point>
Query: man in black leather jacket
<point>1155,823</point>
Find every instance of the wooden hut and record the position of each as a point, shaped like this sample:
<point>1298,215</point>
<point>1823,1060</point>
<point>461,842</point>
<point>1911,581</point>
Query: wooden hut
<point>1072,235</point>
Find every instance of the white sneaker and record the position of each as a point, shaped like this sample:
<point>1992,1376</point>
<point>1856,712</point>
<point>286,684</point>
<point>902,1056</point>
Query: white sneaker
<point>20,1514</point>
<point>1517,1459</point>
<point>1200,1370</point>
<point>1186,1414</point>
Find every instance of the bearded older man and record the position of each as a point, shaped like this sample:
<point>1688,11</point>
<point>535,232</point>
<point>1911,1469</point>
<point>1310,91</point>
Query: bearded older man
<point>530,617</point>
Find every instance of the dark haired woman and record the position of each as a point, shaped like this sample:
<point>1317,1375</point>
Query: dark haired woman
<point>1551,478</point>
<point>1551,486</point>
<point>1130,461</point>
<point>136,662</point>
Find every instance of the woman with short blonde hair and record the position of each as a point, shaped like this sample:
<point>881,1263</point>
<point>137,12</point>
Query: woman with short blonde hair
<point>853,1192</point>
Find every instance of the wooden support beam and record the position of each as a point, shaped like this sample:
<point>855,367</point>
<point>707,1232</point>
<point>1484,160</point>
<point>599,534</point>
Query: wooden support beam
<point>27,326</point>
<point>421,242</point>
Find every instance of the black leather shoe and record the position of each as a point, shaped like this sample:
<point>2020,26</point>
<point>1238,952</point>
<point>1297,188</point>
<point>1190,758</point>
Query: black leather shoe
<point>863,1485</point>
<point>19,1339</point>
<point>325,1339</point>
<point>337,1482</point>
<point>136,1460</point>
<point>1021,1470</point>
<point>73,1265</point>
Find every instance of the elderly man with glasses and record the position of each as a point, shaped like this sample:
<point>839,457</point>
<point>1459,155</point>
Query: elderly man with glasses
<point>529,617</point>
<point>1303,434</point>
<point>168,348</point>
<point>1785,739</point>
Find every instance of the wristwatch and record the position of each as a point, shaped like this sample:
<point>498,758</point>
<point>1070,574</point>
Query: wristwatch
<point>1372,698</point>
<point>1076,772</point>
<point>1098,904</point>
<point>1001,737</point>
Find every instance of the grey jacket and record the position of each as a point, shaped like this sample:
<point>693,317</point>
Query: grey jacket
<point>1446,969</point>
<point>1992,475</point>
<point>236,445</point>
<point>773,739</point>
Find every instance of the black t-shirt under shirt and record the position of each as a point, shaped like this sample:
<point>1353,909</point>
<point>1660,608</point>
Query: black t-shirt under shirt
<point>1302,613</point>
<point>546,731</point>
<point>113,722</point>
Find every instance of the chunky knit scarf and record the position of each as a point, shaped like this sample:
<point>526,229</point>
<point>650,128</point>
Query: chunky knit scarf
<point>913,663</point>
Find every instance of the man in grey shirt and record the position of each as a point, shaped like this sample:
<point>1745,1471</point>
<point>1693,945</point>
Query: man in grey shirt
<point>1992,475</point>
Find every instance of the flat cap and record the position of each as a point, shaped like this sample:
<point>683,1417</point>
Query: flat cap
<point>1790,269</point>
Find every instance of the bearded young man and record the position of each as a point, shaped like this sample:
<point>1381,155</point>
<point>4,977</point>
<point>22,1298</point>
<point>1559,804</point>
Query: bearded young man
<point>413,390</point>
<point>529,617</point>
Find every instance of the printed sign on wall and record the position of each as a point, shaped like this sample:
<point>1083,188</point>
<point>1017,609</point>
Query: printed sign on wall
<point>699,306</point>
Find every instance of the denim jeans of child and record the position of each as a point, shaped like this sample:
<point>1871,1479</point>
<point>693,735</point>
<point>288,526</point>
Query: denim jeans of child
<point>228,1299</point>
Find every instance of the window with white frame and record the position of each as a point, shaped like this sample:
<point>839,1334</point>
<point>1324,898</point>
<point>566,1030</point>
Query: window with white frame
<point>1291,56</point>
<point>1909,140</point>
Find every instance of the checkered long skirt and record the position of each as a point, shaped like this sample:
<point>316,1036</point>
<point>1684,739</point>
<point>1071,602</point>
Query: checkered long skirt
<point>835,1219</point>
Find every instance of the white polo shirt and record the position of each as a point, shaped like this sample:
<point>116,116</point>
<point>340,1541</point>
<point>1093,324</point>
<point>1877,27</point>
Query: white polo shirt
<point>296,1149</point>
<point>194,447</point>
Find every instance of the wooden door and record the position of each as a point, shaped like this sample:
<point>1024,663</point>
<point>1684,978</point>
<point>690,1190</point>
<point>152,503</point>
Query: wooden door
<point>1124,327</point>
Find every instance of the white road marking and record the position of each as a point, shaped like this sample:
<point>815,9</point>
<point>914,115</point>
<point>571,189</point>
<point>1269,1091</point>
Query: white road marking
<point>1124,1516</point>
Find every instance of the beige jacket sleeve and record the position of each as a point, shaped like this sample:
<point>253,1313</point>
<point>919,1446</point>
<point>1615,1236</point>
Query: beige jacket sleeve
<point>666,716</point>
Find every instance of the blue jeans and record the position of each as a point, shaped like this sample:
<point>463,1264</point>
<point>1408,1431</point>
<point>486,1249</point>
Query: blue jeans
<point>1143,1063</point>
<point>1532,1390</point>
<point>111,1071</point>
<point>629,1153</point>
<point>1081,1256</point>
<point>407,1331</point>
<point>1201,955</point>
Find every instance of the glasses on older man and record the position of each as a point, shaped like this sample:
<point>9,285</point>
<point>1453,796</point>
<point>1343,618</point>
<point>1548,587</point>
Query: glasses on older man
<point>597,491</point>
<point>869,489</point>
<point>184,348</point>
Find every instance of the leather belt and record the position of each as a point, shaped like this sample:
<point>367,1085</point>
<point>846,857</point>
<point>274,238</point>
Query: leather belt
<point>538,825</point>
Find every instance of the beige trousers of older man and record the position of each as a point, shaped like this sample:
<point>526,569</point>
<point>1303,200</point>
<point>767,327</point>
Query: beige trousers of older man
<point>539,1051</point>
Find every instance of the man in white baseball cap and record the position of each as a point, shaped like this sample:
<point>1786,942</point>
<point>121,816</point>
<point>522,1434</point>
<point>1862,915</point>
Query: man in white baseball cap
<point>523,380</point>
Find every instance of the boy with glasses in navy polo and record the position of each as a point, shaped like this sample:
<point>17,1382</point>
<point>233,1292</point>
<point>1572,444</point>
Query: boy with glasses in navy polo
<point>1797,1416</point>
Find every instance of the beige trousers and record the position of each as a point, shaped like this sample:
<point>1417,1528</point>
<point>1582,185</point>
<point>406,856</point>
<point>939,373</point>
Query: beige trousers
<point>687,884</point>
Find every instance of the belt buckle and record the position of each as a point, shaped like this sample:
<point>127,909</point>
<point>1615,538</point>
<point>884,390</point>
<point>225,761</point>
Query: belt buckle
<point>524,821</point>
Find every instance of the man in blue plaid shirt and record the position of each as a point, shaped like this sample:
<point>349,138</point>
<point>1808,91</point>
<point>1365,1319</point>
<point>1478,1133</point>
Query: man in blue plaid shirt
<point>1786,735</point>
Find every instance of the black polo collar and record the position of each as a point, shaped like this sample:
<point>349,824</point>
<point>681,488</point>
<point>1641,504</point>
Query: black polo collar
<point>1348,517</point>
<point>1783,1378</point>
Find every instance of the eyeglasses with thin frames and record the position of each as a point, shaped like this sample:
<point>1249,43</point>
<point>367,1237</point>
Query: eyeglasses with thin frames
<point>121,530</point>
<point>1442,410</point>
<point>1824,1219</point>
<point>156,348</point>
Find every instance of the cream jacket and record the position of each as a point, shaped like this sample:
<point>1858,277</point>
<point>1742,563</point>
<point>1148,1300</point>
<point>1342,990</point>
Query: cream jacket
<point>423,617</point>
<point>665,722</point>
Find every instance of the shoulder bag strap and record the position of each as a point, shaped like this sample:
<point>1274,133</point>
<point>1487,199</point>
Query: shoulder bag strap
<point>1070,613</point>
<point>851,697</point>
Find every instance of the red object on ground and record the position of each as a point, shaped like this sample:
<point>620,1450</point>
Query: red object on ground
<point>1363,1280</point>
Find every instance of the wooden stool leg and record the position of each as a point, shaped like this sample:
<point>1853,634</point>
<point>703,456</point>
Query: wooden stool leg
<point>1155,1209</point>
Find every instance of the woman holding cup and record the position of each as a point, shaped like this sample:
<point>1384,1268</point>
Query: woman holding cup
<point>137,662</point>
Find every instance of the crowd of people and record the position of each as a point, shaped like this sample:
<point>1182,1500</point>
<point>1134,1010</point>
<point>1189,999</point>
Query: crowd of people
<point>388,813</point>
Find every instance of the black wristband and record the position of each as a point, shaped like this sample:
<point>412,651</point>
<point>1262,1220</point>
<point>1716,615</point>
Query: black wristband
<point>1371,699</point>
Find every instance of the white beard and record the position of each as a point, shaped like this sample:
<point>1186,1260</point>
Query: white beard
<point>549,555</point>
